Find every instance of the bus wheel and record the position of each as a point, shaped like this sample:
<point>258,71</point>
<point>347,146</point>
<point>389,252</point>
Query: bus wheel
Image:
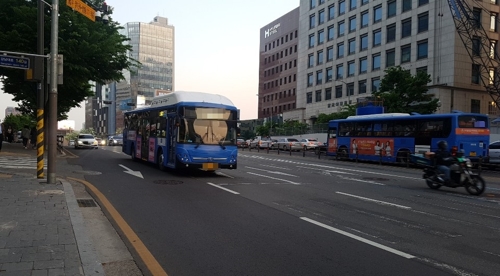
<point>342,152</point>
<point>161,159</point>
<point>403,157</point>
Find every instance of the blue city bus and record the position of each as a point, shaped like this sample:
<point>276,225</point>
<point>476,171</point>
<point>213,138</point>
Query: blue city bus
<point>394,137</point>
<point>184,130</point>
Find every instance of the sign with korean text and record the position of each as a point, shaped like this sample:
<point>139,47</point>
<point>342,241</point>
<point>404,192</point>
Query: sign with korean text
<point>15,62</point>
<point>82,8</point>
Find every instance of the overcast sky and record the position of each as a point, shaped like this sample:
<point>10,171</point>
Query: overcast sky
<point>216,45</point>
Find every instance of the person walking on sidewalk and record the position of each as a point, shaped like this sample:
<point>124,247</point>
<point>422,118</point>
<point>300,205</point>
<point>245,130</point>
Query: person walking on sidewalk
<point>25,133</point>
<point>33,135</point>
<point>10,134</point>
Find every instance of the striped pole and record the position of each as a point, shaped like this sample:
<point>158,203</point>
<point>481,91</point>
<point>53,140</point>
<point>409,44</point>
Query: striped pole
<point>39,143</point>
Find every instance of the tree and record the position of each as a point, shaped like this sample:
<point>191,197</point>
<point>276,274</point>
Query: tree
<point>17,122</point>
<point>92,51</point>
<point>403,93</point>
<point>345,111</point>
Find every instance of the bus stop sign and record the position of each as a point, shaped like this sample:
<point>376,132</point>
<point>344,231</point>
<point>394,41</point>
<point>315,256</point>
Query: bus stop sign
<point>15,62</point>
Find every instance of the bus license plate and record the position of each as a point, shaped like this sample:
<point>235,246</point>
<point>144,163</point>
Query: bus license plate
<point>472,153</point>
<point>210,166</point>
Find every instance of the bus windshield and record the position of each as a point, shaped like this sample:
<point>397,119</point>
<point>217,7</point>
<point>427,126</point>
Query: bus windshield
<point>209,126</point>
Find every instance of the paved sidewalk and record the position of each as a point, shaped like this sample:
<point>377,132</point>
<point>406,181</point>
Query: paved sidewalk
<point>42,230</point>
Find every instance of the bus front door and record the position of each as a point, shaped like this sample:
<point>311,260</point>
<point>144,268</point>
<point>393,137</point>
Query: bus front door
<point>171,139</point>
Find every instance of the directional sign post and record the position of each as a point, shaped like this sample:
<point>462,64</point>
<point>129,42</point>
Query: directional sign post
<point>15,62</point>
<point>82,8</point>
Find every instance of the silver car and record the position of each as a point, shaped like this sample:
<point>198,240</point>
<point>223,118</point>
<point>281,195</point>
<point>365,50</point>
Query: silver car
<point>116,140</point>
<point>289,144</point>
<point>494,152</point>
<point>85,141</point>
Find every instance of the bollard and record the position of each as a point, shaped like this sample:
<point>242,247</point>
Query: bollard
<point>479,166</point>
<point>304,152</point>
<point>319,154</point>
<point>278,150</point>
<point>290,150</point>
<point>258,148</point>
<point>356,156</point>
<point>267,149</point>
<point>380,158</point>
<point>407,159</point>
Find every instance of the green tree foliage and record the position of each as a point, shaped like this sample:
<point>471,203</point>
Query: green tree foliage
<point>403,93</point>
<point>93,51</point>
<point>17,122</point>
<point>346,111</point>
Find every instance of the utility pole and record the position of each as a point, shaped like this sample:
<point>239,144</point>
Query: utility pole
<point>51,169</point>
<point>41,91</point>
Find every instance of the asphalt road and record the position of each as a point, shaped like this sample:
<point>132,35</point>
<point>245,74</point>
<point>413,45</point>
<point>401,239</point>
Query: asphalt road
<point>295,215</point>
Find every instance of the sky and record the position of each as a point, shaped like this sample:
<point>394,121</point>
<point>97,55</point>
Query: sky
<point>216,45</point>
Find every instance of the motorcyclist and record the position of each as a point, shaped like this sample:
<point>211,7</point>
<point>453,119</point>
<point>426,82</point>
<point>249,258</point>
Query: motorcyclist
<point>443,160</point>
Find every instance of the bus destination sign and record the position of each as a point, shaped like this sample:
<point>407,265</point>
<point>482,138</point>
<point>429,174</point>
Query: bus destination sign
<point>15,62</point>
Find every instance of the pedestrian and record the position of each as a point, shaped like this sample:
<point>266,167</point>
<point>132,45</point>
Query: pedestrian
<point>33,135</point>
<point>25,134</point>
<point>1,135</point>
<point>10,134</point>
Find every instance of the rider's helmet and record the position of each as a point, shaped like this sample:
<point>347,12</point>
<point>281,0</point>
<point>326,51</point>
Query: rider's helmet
<point>442,145</point>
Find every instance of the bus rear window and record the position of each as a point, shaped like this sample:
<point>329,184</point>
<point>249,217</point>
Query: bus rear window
<point>471,121</point>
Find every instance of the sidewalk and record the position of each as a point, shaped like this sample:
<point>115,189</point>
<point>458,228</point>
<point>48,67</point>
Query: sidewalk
<point>42,230</point>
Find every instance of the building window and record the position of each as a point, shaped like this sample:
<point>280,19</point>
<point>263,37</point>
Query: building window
<point>311,41</point>
<point>331,12</point>
<point>319,77</point>
<point>365,18</point>
<point>350,90</point>
<point>341,7</point>
<point>476,46</point>
<point>352,4</point>
<point>329,74</point>
<point>364,2</point>
<point>312,21</point>
<point>318,96</point>
<point>309,97</point>
<point>423,22</point>
<point>329,54</point>
<point>390,58</point>
<point>340,71</point>
<point>362,87</point>
<point>321,17</point>
<point>406,5</point>
<point>492,75</point>
<point>340,27</point>
<point>375,84</point>
<point>422,49</point>
<point>363,42</point>
<point>352,46</point>
<point>493,22</point>
<point>363,65</point>
<point>422,2</point>
<point>377,38</point>
<point>391,33</point>
<point>310,81</point>
<point>406,28</point>
<point>493,48</point>
<point>338,91</point>
<point>422,69</point>
<point>476,14</point>
<point>310,62</point>
<point>475,106</point>
<point>376,62</point>
<point>312,4</point>
<point>328,94</point>
<point>340,50</point>
<point>321,37</point>
<point>320,57</point>
<point>391,9</point>
<point>476,73</point>
<point>351,68</point>
<point>352,24</point>
<point>331,32</point>
<point>492,108</point>
<point>405,53</point>
<point>377,14</point>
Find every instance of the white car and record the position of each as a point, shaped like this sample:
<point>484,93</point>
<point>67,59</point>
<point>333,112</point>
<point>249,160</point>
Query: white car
<point>310,143</point>
<point>85,141</point>
<point>494,152</point>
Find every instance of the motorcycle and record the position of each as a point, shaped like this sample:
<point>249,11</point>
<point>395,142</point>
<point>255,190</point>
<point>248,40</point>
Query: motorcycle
<point>461,175</point>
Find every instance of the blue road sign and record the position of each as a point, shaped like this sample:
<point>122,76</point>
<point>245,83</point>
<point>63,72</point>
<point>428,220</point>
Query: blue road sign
<point>15,62</point>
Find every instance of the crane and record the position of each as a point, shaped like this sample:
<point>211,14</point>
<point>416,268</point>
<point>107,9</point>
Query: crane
<point>478,46</point>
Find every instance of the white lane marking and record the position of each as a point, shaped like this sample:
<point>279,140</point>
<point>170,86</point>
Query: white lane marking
<point>273,172</point>
<point>276,167</point>
<point>284,180</point>
<point>227,190</point>
<point>223,174</point>
<point>329,171</point>
<point>361,180</point>
<point>132,172</point>
<point>352,236</point>
<point>376,201</point>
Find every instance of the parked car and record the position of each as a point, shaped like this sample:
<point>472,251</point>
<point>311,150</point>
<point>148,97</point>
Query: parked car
<point>274,144</point>
<point>289,144</point>
<point>115,140</point>
<point>261,143</point>
<point>310,143</point>
<point>241,143</point>
<point>494,152</point>
<point>85,141</point>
